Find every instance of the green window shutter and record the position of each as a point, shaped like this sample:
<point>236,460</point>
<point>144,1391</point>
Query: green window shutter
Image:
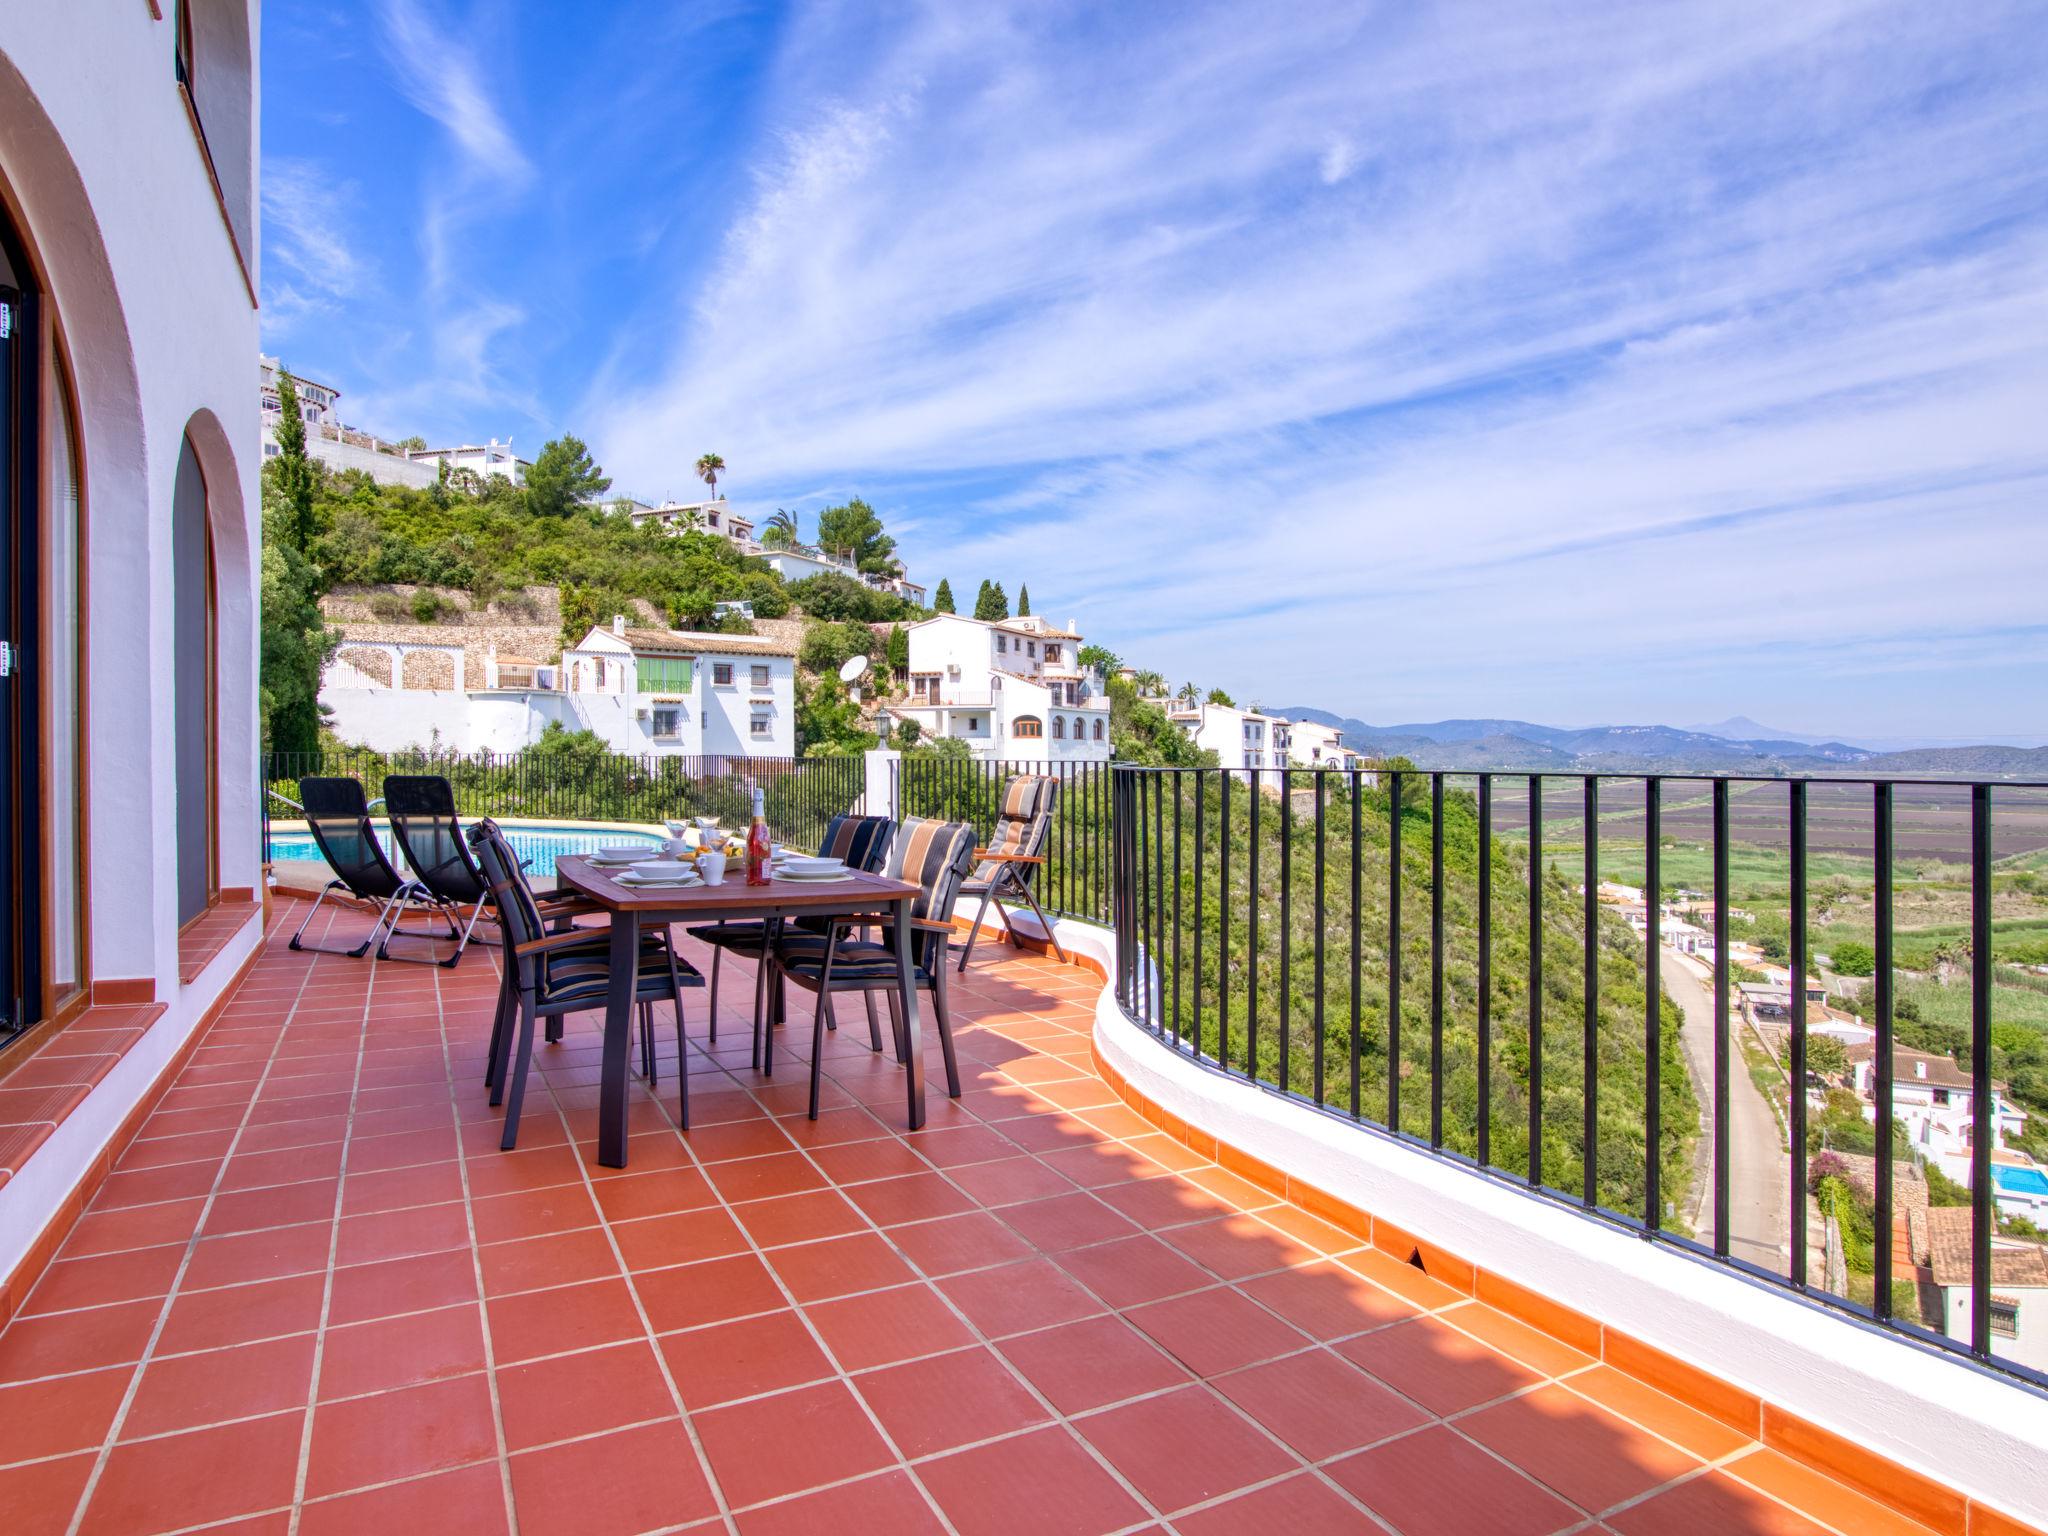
<point>664,676</point>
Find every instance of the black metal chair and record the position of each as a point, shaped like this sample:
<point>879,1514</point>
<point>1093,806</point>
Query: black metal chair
<point>421,809</point>
<point>1007,868</point>
<point>551,974</point>
<point>863,841</point>
<point>338,816</point>
<point>934,854</point>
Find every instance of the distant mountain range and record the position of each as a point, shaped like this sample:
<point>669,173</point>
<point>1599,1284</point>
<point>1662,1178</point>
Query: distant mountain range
<point>1738,745</point>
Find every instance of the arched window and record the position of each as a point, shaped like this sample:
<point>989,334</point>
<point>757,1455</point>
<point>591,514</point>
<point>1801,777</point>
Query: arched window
<point>1098,730</point>
<point>1059,727</point>
<point>1027,728</point>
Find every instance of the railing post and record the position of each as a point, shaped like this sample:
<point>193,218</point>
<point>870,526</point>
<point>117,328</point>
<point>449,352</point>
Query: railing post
<point>1589,1044</point>
<point>1393,944</point>
<point>1653,1004</point>
<point>1796,942</point>
<point>1723,1153</point>
<point>1485,1150</point>
<point>1436,960</point>
<point>1983,1125</point>
<point>1535,979</point>
<point>1881,1061</point>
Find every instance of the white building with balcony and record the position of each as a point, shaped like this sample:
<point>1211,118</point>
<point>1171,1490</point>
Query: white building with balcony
<point>710,516</point>
<point>684,693</point>
<point>329,440</point>
<point>1014,691</point>
<point>1310,745</point>
<point>1242,739</point>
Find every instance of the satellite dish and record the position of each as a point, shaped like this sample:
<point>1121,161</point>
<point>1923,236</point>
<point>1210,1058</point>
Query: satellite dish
<point>853,669</point>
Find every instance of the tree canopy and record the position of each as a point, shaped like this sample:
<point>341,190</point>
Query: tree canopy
<point>1218,696</point>
<point>854,531</point>
<point>942,600</point>
<point>992,606</point>
<point>709,467</point>
<point>1023,601</point>
<point>562,477</point>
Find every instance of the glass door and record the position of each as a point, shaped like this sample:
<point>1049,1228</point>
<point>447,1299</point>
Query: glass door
<point>20,770</point>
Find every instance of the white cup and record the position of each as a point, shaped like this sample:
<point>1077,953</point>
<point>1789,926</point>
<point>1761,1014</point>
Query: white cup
<point>712,867</point>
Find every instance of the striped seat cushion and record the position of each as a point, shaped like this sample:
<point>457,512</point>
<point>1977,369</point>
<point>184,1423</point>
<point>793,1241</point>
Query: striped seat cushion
<point>854,960</point>
<point>576,975</point>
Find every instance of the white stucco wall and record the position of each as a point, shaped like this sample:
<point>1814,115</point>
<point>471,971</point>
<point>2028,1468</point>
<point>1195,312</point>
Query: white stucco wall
<point>102,168</point>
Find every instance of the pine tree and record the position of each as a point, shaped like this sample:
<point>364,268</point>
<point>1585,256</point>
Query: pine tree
<point>942,600</point>
<point>294,471</point>
<point>1023,602</point>
<point>992,606</point>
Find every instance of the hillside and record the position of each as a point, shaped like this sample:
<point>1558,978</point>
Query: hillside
<point>1524,746</point>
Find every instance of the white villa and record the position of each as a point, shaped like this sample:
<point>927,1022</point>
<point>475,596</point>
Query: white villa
<point>685,693</point>
<point>339,446</point>
<point>1931,1100</point>
<point>1311,745</point>
<point>1014,690</point>
<point>2019,1286</point>
<point>792,564</point>
<point>1242,739</point>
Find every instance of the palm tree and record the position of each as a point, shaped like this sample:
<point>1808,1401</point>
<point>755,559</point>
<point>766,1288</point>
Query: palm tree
<point>780,530</point>
<point>709,467</point>
<point>1188,693</point>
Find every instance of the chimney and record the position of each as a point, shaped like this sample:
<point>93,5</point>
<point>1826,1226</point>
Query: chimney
<point>1919,1069</point>
<point>619,625</point>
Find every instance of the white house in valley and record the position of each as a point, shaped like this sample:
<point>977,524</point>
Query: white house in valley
<point>2019,1286</point>
<point>1015,690</point>
<point>1311,745</point>
<point>676,691</point>
<point>1242,739</point>
<point>709,516</point>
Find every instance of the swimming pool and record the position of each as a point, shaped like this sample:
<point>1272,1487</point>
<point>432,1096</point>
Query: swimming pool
<point>538,842</point>
<point>2030,1182</point>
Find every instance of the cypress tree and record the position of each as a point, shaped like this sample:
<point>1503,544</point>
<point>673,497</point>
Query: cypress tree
<point>942,600</point>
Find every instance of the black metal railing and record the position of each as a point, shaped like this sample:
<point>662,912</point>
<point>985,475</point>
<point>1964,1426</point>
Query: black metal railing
<point>1570,1018</point>
<point>1074,880</point>
<point>581,784</point>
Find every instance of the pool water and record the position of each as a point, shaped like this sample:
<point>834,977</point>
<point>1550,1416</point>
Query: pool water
<point>540,845</point>
<point>2021,1181</point>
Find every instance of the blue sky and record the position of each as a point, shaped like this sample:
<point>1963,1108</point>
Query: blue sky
<point>1579,363</point>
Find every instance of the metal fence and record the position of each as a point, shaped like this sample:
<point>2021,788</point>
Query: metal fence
<point>801,794</point>
<point>1074,880</point>
<point>1435,957</point>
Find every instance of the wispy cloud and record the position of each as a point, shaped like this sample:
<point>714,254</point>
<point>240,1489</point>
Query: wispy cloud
<point>1481,359</point>
<point>443,77</point>
<point>314,266</point>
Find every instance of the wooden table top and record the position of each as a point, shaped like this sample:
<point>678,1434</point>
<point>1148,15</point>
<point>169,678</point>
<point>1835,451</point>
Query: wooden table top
<point>857,892</point>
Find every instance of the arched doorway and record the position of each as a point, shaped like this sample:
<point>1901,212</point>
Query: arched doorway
<point>195,695</point>
<point>42,930</point>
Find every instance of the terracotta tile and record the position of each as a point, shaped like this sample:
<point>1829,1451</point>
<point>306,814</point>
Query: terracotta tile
<point>110,1277</point>
<point>619,1484</point>
<point>1010,1181</point>
<point>785,1444</point>
<point>251,1210</point>
<point>1088,1364</point>
<point>534,1213</point>
<point>64,1413</point>
<point>1538,1311</point>
<point>1017,1298</point>
<point>582,1394</point>
<point>1236,1247</point>
<point>1685,1427</point>
<point>951,1400</point>
<point>1319,1404</point>
<point>502,1173</point>
<point>1403,1279</point>
<point>883,1327</point>
<point>1692,1386</point>
<point>1149,1441</point>
<point>76,1341</point>
<point>1406,1248</point>
<point>1580,1451</point>
<point>401,1351</point>
<point>400,1233</point>
<point>1713,1505</point>
<point>1171,1201</point>
<point>1442,1369</point>
<point>1212,1332</point>
<point>1929,1502</point>
<point>142,1226</point>
<point>400,1434</point>
<point>1067,1221</point>
<point>961,1146</point>
<point>39,1499</point>
<point>760,1178</point>
<point>799,1218</point>
<point>681,1237</point>
<point>363,1291</point>
<point>888,1502</point>
<point>1433,1483</point>
<point>1820,1496</point>
<point>189,1391</point>
<point>469,1500</point>
<point>838,1266</point>
<point>299,1250</point>
<point>400,1188</point>
<point>531,1324</point>
<point>917,1197</point>
<point>1038,1484</point>
<point>1103,1164</point>
<point>533,1263</point>
<point>1326,1300</point>
<point>709,1292</point>
<point>195,1478</point>
<point>956,1243</point>
<point>1134,1270</point>
<point>857,1162</point>
<point>743,1359</point>
<point>1534,1348</point>
<point>1300,1506</point>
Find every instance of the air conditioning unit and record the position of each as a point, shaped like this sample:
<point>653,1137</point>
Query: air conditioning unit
<point>644,712</point>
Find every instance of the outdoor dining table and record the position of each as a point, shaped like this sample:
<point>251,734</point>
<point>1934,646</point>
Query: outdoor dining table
<point>632,907</point>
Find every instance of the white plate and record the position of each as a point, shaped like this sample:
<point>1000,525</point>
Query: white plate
<point>625,855</point>
<point>810,864</point>
<point>813,876</point>
<point>658,874</point>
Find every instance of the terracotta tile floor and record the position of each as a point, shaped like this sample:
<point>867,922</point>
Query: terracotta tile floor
<point>316,1296</point>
